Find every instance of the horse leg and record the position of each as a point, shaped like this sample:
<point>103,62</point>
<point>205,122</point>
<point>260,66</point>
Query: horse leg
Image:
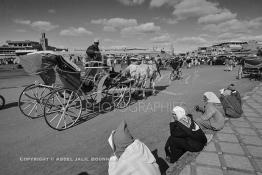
<point>150,84</point>
<point>153,86</point>
<point>144,88</point>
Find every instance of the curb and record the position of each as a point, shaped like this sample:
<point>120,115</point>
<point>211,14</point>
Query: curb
<point>188,157</point>
<point>248,94</point>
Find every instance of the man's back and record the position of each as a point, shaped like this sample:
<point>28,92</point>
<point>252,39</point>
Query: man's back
<point>175,64</point>
<point>93,52</point>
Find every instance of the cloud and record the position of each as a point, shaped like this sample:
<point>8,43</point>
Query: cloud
<point>235,25</point>
<point>195,8</point>
<point>113,24</point>
<point>238,37</point>
<point>43,25</point>
<point>186,44</point>
<point>109,29</point>
<point>37,25</point>
<point>72,31</point>
<point>162,38</point>
<point>216,18</point>
<point>229,36</point>
<point>254,37</point>
<point>171,21</point>
<point>131,2</point>
<point>98,21</point>
<point>20,30</point>
<point>145,28</point>
<point>126,26</point>
<point>108,40</point>
<point>20,21</point>
<point>204,35</point>
<point>52,11</point>
<point>184,9</point>
<point>159,3</point>
<point>192,41</point>
<point>167,20</point>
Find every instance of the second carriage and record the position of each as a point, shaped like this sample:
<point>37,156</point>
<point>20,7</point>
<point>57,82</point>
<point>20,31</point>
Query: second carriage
<point>69,92</point>
<point>250,66</point>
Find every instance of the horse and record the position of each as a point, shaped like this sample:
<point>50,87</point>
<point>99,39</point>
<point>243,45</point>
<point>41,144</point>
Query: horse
<point>143,72</point>
<point>152,74</point>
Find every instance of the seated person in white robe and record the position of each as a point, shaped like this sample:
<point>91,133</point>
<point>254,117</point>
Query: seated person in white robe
<point>131,156</point>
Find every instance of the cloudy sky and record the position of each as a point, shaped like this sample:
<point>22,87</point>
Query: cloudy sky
<point>187,24</point>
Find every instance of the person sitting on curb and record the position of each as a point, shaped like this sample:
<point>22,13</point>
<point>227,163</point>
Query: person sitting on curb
<point>185,135</point>
<point>131,156</point>
<point>231,102</point>
<point>212,119</point>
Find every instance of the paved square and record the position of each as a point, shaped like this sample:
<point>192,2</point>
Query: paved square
<point>255,151</point>
<point>255,120</point>
<point>208,159</point>
<point>240,124</point>
<point>231,148</point>
<point>227,137</point>
<point>251,114</point>
<point>208,171</point>
<point>210,147</point>
<point>259,164</point>
<point>258,125</point>
<point>246,131</point>
<point>227,130</point>
<point>251,140</point>
<point>186,171</point>
<point>231,172</point>
<point>238,162</point>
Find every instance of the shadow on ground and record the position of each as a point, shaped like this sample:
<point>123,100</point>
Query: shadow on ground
<point>104,106</point>
<point>10,105</point>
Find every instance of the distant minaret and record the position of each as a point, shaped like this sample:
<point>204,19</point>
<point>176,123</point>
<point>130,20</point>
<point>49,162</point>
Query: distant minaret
<point>172,49</point>
<point>44,42</point>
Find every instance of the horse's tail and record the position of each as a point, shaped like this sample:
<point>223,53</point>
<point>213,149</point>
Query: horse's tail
<point>158,71</point>
<point>157,68</point>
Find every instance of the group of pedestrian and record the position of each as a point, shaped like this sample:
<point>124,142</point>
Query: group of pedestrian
<point>187,133</point>
<point>190,62</point>
<point>229,64</point>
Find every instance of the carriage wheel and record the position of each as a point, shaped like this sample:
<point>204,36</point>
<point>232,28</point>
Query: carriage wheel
<point>121,96</point>
<point>172,76</point>
<point>62,109</point>
<point>240,73</point>
<point>93,106</point>
<point>2,102</point>
<point>31,100</point>
<point>180,75</point>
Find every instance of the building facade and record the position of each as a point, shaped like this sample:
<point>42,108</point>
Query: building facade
<point>13,47</point>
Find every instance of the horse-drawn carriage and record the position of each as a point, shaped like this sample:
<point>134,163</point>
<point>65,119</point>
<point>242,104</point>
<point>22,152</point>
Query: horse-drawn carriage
<point>68,91</point>
<point>250,66</point>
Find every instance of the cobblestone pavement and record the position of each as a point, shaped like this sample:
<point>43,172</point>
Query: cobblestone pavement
<point>235,150</point>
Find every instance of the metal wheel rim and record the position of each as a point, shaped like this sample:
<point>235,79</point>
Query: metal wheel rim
<point>31,100</point>
<point>63,111</point>
<point>172,76</point>
<point>122,99</point>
